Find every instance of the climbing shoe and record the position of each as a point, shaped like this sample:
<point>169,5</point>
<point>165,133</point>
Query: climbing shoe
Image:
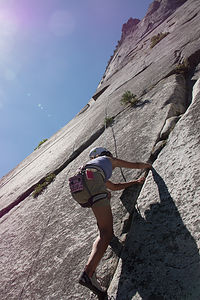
<point>92,284</point>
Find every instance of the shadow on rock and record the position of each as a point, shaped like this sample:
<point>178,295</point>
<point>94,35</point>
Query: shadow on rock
<point>116,245</point>
<point>160,259</point>
<point>143,103</point>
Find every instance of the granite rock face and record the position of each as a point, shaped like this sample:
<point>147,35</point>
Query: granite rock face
<point>160,259</point>
<point>154,254</point>
<point>129,27</point>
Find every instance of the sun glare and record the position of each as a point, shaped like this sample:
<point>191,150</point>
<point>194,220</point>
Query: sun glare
<point>8,31</point>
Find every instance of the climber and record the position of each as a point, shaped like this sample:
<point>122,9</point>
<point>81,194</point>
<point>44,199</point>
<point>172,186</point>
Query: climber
<point>89,189</point>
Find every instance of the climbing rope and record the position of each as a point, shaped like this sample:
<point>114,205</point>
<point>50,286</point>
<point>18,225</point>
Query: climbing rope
<point>116,154</point>
<point>115,142</point>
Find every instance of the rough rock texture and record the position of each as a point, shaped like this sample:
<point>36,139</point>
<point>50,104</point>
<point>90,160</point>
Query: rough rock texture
<point>160,259</point>
<point>45,241</point>
<point>129,27</point>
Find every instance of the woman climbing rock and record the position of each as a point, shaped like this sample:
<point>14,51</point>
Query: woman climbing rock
<point>90,189</point>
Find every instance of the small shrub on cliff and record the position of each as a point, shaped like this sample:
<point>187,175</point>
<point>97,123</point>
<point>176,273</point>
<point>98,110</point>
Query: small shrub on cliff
<point>182,68</point>
<point>42,186</point>
<point>108,121</point>
<point>129,98</point>
<point>40,143</point>
<point>157,38</point>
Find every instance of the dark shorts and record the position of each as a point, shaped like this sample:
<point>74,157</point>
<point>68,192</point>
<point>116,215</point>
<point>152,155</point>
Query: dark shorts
<point>96,186</point>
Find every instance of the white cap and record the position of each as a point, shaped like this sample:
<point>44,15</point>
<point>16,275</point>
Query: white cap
<point>97,151</point>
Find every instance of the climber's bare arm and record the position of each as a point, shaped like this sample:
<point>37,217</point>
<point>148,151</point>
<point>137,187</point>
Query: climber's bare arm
<point>127,164</point>
<point>121,186</point>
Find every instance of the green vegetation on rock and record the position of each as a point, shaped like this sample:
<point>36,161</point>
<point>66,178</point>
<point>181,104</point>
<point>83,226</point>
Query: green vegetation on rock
<point>108,121</point>
<point>129,98</point>
<point>182,68</point>
<point>157,38</point>
<point>42,186</point>
<point>40,143</point>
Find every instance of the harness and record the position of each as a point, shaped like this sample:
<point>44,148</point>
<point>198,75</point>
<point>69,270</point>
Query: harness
<point>78,182</point>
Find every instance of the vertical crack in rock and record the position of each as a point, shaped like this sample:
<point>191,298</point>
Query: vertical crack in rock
<point>193,62</point>
<point>188,69</point>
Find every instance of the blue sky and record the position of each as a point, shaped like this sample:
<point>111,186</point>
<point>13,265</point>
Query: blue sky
<point>53,54</point>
